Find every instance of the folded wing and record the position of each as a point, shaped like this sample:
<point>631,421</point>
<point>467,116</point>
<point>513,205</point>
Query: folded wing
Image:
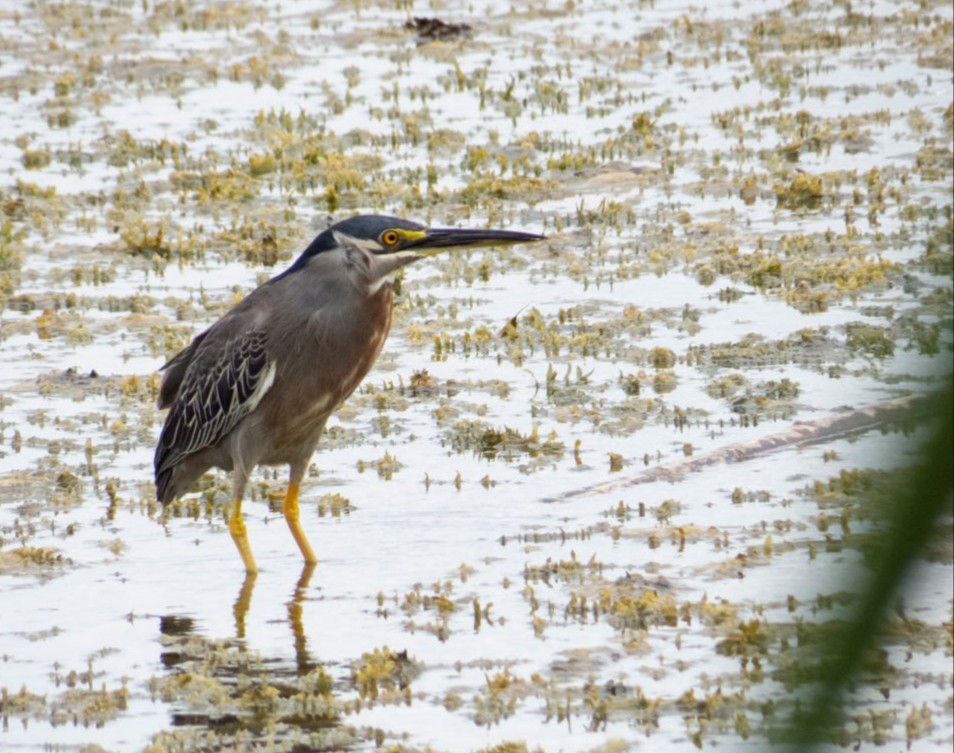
<point>209,387</point>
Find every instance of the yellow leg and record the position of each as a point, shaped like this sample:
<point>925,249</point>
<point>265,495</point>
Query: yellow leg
<point>292,515</point>
<point>240,536</point>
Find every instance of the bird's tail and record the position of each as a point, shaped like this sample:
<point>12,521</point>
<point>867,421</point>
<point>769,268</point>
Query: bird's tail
<point>175,475</point>
<point>165,489</point>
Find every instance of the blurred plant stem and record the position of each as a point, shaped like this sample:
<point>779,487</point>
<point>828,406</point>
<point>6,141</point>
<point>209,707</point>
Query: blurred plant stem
<point>910,522</point>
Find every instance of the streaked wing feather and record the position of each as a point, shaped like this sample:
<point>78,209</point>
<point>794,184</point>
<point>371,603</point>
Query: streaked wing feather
<point>175,369</point>
<point>217,389</point>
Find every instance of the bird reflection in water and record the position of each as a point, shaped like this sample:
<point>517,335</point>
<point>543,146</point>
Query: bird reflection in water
<point>221,689</point>
<point>243,601</point>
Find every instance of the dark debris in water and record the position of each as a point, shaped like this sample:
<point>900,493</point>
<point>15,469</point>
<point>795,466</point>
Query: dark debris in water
<point>429,29</point>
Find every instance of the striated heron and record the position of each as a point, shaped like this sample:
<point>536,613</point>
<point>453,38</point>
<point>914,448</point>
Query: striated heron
<point>258,386</point>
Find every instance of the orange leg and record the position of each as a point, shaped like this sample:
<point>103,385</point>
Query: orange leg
<point>240,536</point>
<point>292,515</point>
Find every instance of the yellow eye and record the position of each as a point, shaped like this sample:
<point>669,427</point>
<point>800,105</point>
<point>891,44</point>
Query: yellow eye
<point>390,237</point>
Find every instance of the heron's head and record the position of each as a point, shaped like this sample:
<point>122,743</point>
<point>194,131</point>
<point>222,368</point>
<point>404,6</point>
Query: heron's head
<point>393,242</point>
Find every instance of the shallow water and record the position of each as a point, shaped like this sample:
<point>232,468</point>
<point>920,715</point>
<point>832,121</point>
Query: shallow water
<point>685,278</point>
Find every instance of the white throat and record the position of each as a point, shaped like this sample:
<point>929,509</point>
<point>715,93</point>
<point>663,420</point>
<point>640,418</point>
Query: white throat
<point>374,267</point>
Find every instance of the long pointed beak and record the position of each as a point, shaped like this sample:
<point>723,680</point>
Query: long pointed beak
<point>436,240</point>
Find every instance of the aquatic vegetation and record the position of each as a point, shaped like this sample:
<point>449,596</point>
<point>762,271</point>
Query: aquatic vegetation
<point>506,443</point>
<point>749,228</point>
